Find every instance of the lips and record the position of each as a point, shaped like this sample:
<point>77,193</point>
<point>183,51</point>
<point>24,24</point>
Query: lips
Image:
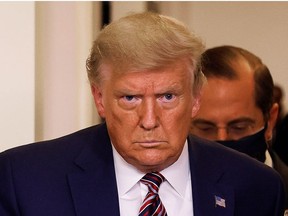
<point>150,143</point>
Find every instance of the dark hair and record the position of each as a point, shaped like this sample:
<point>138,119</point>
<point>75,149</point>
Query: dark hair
<point>221,61</point>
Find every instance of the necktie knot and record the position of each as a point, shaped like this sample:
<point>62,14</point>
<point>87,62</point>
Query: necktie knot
<point>153,181</point>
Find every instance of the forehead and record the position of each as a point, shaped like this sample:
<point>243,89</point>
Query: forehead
<point>231,95</point>
<point>169,75</point>
<point>225,100</point>
<point>228,93</point>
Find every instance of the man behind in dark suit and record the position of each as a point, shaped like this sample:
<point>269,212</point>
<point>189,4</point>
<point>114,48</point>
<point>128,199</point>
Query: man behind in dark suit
<point>145,80</point>
<point>244,114</point>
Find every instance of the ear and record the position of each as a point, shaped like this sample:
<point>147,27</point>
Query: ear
<point>271,121</point>
<point>195,106</point>
<point>98,99</point>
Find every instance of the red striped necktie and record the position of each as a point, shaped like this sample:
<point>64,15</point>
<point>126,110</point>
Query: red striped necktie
<point>152,204</point>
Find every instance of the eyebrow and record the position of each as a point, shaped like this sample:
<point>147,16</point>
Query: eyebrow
<point>235,121</point>
<point>203,121</point>
<point>174,87</point>
<point>242,120</point>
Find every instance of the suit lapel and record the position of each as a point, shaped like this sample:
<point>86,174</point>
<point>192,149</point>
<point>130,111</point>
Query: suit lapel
<point>210,195</point>
<point>93,184</point>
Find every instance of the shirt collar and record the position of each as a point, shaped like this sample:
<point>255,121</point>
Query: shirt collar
<point>268,160</point>
<point>128,176</point>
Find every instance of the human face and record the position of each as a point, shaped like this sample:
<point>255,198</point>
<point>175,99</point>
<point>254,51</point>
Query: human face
<point>228,110</point>
<point>148,113</point>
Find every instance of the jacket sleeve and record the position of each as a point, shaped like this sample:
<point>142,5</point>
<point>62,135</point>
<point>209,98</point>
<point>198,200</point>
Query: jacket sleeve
<point>8,200</point>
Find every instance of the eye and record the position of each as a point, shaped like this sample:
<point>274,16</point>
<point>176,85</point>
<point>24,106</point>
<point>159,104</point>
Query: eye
<point>129,98</point>
<point>241,128</point>
<point>237,128</point>
<point>167,97</point>
<point>128,102</point>
<point>206,128</point>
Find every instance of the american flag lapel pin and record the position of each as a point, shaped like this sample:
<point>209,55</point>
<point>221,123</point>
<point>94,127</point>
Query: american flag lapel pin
<point>219,201</point>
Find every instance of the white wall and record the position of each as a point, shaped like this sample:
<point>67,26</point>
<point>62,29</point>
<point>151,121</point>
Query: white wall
<point>17,73</point>
<point>123,8</point>
<point>44,91</point>
<point>64,37</point>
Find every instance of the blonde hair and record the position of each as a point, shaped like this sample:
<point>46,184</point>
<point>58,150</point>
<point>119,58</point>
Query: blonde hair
<point>144,41</point>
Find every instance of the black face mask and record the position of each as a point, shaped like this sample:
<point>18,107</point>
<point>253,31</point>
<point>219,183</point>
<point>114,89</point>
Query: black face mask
<point>253,145</point>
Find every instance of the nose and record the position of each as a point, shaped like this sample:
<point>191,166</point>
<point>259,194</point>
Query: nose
<point>222,134</point>
<point>148,115</point>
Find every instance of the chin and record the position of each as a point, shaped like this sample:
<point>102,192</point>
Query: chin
<point>149,164</point>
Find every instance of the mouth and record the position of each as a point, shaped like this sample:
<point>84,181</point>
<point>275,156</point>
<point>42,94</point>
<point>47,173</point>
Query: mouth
<point>150,143</point>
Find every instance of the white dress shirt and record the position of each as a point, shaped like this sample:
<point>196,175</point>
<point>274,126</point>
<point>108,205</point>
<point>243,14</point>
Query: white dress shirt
<point>268,160</point>
<point>175,193</point>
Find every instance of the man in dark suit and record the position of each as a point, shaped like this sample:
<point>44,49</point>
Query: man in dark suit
<point>145,79</point>
<point>238,109</point>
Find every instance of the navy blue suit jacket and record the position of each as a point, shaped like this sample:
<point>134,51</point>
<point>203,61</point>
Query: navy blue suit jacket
<point>74,175</point>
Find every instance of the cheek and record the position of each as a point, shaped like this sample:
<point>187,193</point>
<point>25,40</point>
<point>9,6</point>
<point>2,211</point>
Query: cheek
<point>179,116</point>
<point>121,119</point>
<point>176,124</point>
<point>121,124</point>
<point>120,135</point>
<point>112,110</point>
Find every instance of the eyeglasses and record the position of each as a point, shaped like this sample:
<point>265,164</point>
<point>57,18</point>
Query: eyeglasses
<point>232,131</point>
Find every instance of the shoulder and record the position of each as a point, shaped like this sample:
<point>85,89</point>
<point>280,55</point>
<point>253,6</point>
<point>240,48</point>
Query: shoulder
<point>233,163</point>
<point>59,149</point>
<point>255,185</point>
<point>280,167</point>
